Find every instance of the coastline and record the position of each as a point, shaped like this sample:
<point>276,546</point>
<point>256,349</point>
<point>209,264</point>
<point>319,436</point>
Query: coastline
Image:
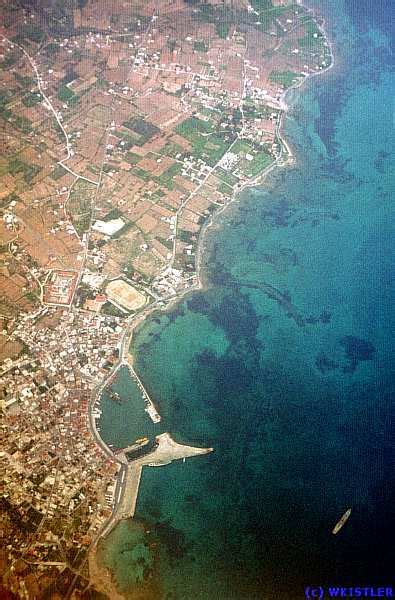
<point>101,579</point>
<point>99,574</point>
<point>259,179</point>
<point>265,329</point>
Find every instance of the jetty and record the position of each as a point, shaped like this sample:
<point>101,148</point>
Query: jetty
<point>164,451</point>
<point>150,407</point>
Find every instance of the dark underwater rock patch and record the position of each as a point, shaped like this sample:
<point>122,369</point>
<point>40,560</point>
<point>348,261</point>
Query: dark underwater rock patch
<point>198,303</point>
<point>279,215</point>
<point>379,162</point>
<point>356,350</point>
<point>177,311</point>
<point>173,539</point>
<point>325,364</point>
<point>324,317</point>
<point>236,317</point>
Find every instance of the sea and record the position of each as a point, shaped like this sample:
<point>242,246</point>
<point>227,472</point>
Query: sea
<point>284,363</point>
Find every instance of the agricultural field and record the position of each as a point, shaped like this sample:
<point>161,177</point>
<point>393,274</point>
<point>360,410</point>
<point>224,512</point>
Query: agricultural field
<point>207,144</point>
<point>284,78</point>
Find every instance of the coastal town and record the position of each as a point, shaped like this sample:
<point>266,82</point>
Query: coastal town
<point>124,129</point>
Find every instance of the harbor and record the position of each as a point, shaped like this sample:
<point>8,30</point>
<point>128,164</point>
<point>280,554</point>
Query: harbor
<point>156,453</point>
<point>125,402</point>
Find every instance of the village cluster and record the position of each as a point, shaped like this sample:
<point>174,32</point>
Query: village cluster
<point>50,464</point>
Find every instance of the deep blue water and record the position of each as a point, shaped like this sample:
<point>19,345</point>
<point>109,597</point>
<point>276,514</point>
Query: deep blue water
<point>285,364</point>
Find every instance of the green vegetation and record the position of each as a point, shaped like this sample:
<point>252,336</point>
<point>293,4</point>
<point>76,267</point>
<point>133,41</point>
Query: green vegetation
<point>171,44</point>
<point>310,27</point>
<point>236,116</point>
<point>31,99</point>
<point>51,49</point>
<point>185,236</point>
<point>261,4</point>
<point>226,177</point>
<point>5,97</point>
<point>41,147</point>
<point>313,39</point>
<point>141,174</point>
<point>207,112</point>
<point>81,223</point>
<point>260,162</point>
<point>220,16</point>
<point>192,127</point>
<point>69,77</point>
<point>268,14</point>
<point>58,172</point>
<point>253,111</point>
<point>225,188</point>
<point>166,179</point>
<point>17,166</point>
<point>171,149</point>
<point>31,297</point>
<point>200,46</point>
<point>58,130</point>
<point>167,243</point>
<point>67,95</point>
<point>114,213</point>
<point>132,158</point>
<point>80,205</point>
<point>144,129</point>
<point>284,78</point>
<point>242,147</point>
<point>107,167</point>
<point>4,202</point>
<point>214,149</point>
<point>159,194</point>
<point>23,80</point>
<point>251,167</point>
<point>111,310</point>
<point>222,30</point>
<point>127,141</point>
<point>29,31</point>
<point>21,123</point>
<point>206,143</point>
<point>9,60</point>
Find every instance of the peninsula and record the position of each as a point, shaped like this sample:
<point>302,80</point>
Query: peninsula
<point>125,128</point>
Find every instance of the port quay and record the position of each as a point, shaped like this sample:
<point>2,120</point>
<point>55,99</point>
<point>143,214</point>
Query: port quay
<point>125,359</point>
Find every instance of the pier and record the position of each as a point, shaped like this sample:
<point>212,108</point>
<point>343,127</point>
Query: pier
<point>150,408</point>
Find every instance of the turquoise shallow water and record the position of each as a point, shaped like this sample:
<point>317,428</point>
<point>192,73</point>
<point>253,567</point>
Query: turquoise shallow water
<point>124,420</point>
<point>285,364</point>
